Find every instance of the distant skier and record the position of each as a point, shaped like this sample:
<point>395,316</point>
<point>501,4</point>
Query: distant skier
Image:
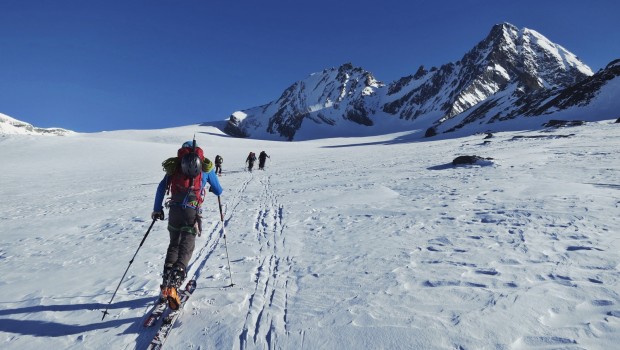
<point>186,177</point>
<point>262,157</point>
<point>250,160</point>
<point>218,164</point>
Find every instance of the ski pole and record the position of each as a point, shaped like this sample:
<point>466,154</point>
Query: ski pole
<point>219,202</point>
<point>134,256</point>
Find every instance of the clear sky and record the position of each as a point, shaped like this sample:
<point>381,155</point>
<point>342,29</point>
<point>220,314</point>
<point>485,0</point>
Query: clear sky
<point>93,65</point>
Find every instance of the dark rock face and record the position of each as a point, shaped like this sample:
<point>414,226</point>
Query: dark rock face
<point>420,73</point>
<point>357,113</point>
<point>545,137</point>
<point>554,123</point>
<point>461,160</point>
<point>284,126</point>
<point>430,132</point>
<point>232,128</point>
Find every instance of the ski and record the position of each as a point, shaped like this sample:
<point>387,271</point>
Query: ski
<point>170,319</point>
<point>156,313</point>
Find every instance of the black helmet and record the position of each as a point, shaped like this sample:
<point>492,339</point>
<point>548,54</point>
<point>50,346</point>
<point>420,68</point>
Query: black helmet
<point>191,165</point>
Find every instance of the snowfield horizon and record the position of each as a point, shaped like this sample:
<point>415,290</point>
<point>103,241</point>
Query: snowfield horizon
<point>375,242</point>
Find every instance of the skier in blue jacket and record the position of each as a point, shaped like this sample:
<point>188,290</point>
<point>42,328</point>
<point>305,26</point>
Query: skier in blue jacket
<point>207,177</point>
<point>184,220</point>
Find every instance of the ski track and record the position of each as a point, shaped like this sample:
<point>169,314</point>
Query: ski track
<point>265,321</point>
<point>199,262</point>
<point>266,316</point>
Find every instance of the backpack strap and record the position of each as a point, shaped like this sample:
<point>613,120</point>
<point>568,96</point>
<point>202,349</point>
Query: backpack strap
<point>207,165</point>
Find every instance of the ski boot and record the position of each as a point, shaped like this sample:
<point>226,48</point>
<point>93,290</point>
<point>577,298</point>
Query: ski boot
<point>172,282</point>
<point>170,293</point>
<point>167,274</point>
<point>178,275</point>
<point>167,290</point>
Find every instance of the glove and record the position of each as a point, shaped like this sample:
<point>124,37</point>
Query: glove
<point>157,215</point>
<point>198,226</point>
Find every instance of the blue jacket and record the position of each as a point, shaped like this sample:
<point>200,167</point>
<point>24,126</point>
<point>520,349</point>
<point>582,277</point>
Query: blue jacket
<point>207,177</point>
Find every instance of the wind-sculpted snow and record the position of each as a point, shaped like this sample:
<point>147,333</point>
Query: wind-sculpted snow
<point>356,243</point>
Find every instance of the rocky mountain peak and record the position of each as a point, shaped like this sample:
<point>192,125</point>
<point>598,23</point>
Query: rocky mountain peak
<point>323,98</point>
<point>508,56</point>
<point>613,64</point>
<point>508,60</point>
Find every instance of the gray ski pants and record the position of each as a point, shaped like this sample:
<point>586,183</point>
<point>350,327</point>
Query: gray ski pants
<point>182,235</point>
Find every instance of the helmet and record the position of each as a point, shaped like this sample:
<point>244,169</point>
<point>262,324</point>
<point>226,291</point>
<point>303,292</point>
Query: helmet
<point>191,165</point>
<point>189,144</point>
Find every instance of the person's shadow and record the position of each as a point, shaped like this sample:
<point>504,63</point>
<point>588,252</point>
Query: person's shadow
<point>54,329</point>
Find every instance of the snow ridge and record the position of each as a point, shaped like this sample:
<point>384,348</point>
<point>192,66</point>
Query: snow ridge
<point>12,126</point>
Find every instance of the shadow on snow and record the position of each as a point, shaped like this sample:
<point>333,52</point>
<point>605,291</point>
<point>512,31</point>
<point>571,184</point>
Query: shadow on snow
<point>55,329</point>
<point>39,328</point>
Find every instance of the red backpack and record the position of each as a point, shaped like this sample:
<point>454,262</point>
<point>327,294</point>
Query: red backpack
<point>182,188</point>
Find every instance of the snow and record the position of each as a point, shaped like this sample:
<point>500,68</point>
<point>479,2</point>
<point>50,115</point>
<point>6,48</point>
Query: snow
<point>562,55</point>
<point>240,115</point>
<point>501,71</point>
<point>12,126</point>
<point>341,243</point>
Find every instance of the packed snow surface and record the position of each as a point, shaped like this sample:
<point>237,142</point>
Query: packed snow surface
<point>342,243</point>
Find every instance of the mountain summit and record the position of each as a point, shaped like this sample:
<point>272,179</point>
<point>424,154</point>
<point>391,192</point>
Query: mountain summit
<point>323,98</point>
<point>522,60</point>
<point>509,64</point>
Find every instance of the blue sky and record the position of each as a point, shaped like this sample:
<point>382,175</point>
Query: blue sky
<point>142,64</point>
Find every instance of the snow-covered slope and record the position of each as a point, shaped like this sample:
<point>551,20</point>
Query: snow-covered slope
<point>349,101</point>
<point>593,98</point>
<point>343,243</point>
<point>12,126</point>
